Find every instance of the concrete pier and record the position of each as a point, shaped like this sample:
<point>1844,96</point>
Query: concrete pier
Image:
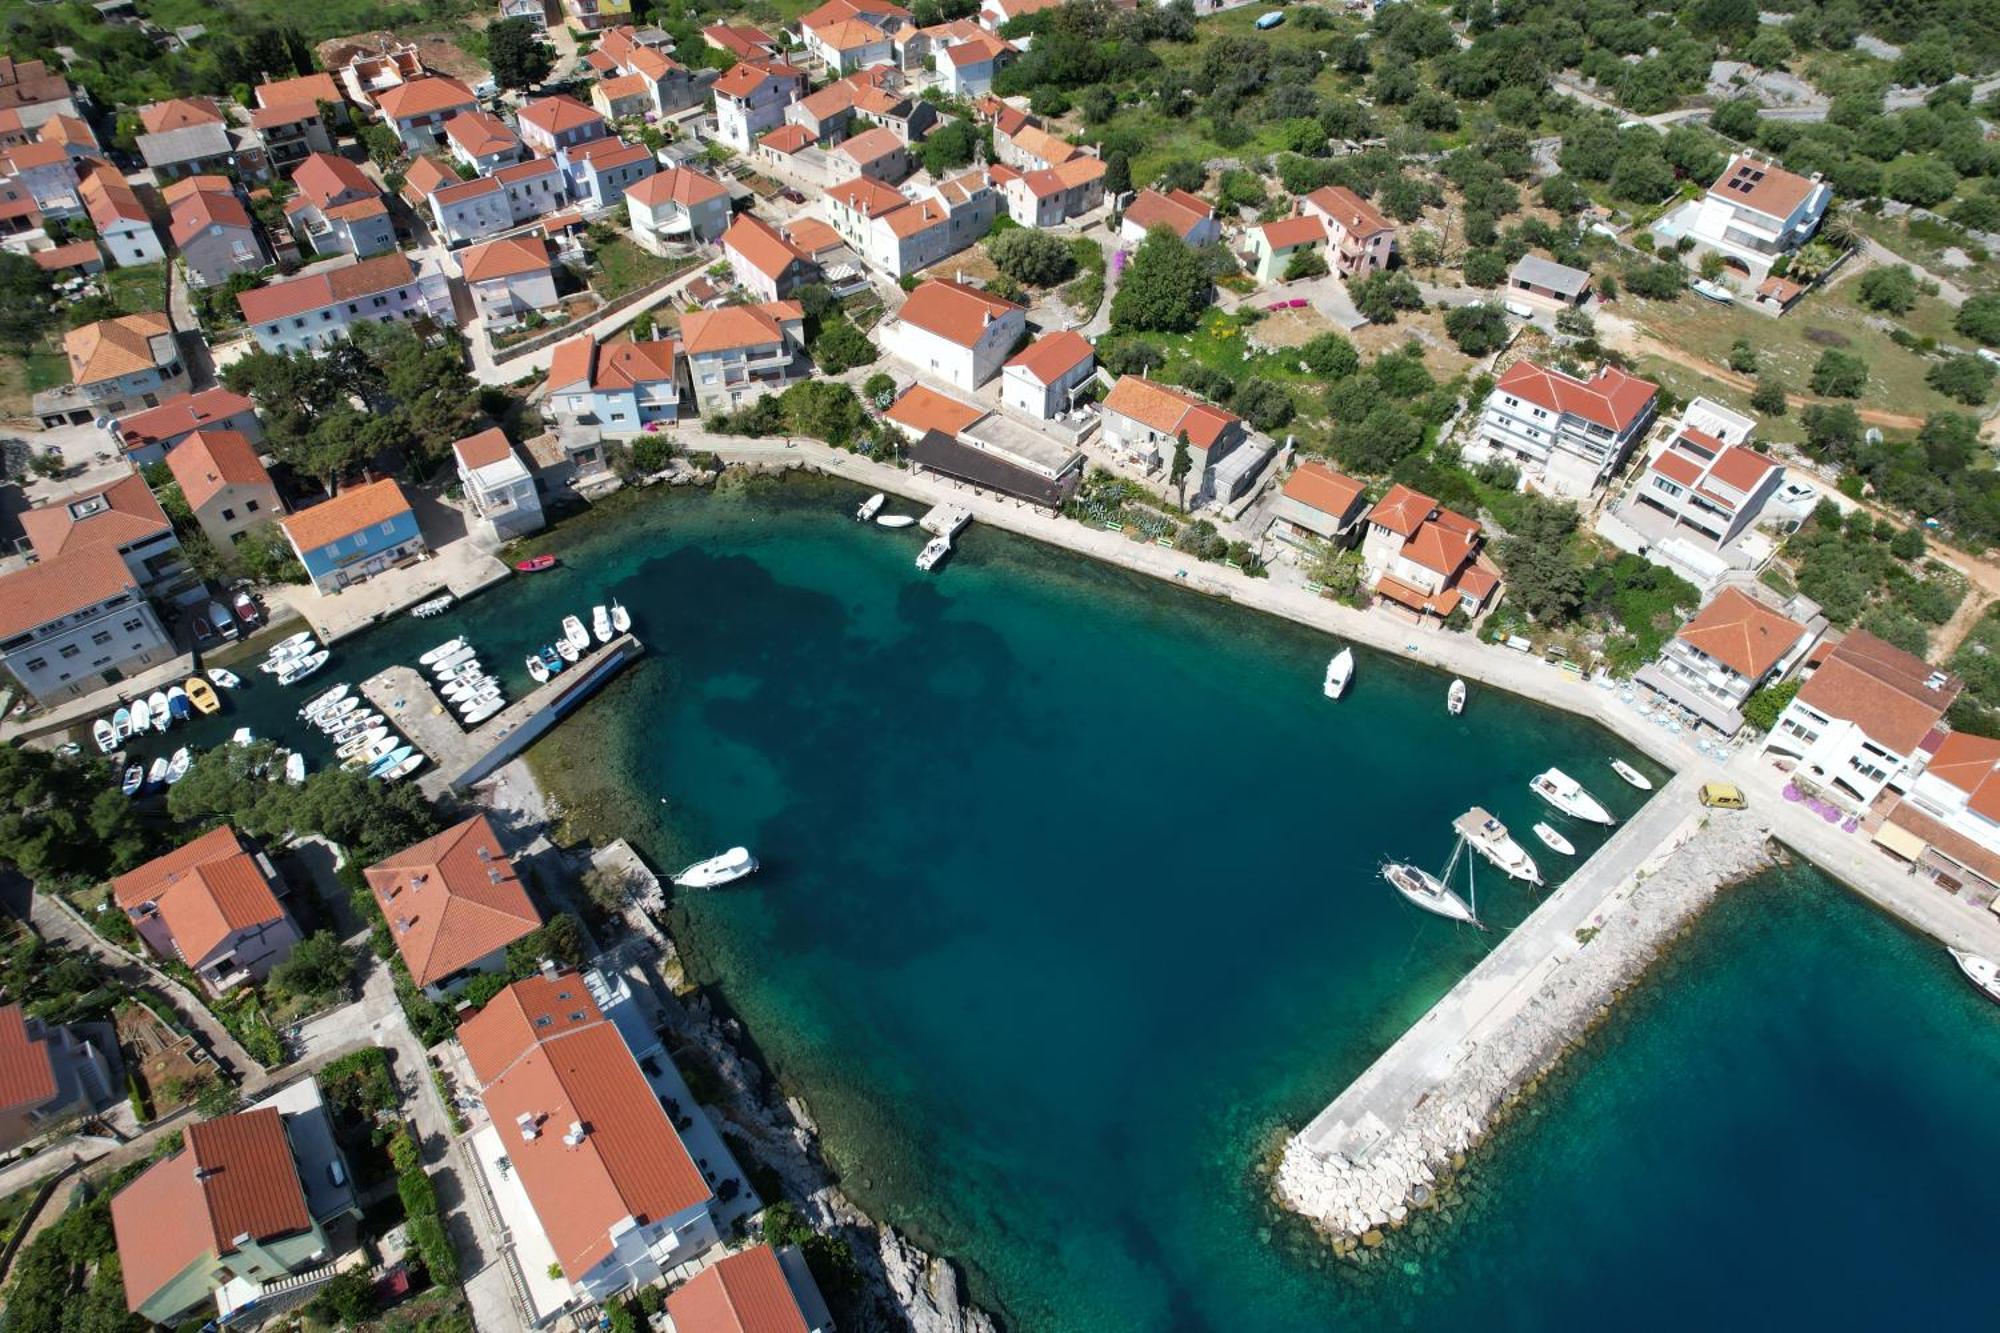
<point>461,756</point>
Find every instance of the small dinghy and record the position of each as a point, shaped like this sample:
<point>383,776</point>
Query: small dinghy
<point>600,624</point>
<point>870,507</point>
<point>538,668</point>
<point>621,619</point>
<point>156,776</point>
<point>121,723</point>
<point>157,709</point>
<point>1631,775</point>
<point>105,734</point>
<point>895,520</point>
<point>202,695</point>
<point>242,736</point>
<point>178,707</point>
<point>1554,841</point>
<point>178,766</point>
<point>567,650</point>
<point>442,651</point>
<point>716,871</point>
<point>295,768</point>
<point>141,715</point>
<point>1454,698</point>
<point>552,659</point>
<point>135,778</point>
<point>436,606</point>
<point>575,634</point>
<point>535,564</point>
<point>223,678</point>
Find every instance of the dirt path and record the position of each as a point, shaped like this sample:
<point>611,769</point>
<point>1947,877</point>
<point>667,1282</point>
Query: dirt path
<point>1622,335</point>
<point>1946,638</point>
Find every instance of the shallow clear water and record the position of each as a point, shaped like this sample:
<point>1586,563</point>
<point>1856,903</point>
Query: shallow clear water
<point>1070,907</point>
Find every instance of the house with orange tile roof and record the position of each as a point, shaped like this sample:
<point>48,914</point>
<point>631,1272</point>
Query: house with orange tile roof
<point>1359,238</point>
<point>600,1188</point>
<point>955,332</point>
<point>1705,481</point>
<point>966,66</point>
<point>1755,212</point>
<point>194,136</point>
<point>225,485</point>
<point>149,435</point>
<point>418,109</point>
<point>124,228</point>
<point>292,130</point>
<point>1145,419</point>
<point>338,209</point>
<point>920,410</point>
<point>1730,649</point>
<point>509,277</point>
<point>215,236</point>
<point>1051,197</point>
<point>614,388</point>
<point>1949,820</point>
<point>876,153</point>
<point>1042,379</point>
<point>1188,216</point>
<point>454,902</point>
<point>50,175</point>
<point>498,486</point>
<point>623,97</point>
<point>1566,435</point>
<point>1425,558</point>
<point>212,904</point>
<point>115,365</point>
<point>50,1074</point>
<point>767,264</point>
<point>67,625</point>
<point>742,40</point>
<point>121,516</point>
<point>898,234</point>
<point>675,206</point>
<point>847,35</point>
<point>356,535</point>
<point>599,171</point>
<point>1317,504</point>
<point>1022,143</point>
<point>243,1205</point>
<point>1274,245</point>
<point>750,100</point>
<point>483,141</point>
<point>996,14</point>
<point>549,123</point>
<point>314,308</point>
<point>1866,721</point>
<point>758,1290</point>
<point>738,353</point>
<point>511,196</point>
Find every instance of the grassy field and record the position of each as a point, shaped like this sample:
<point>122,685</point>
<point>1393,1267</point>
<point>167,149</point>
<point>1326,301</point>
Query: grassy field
<point>137,289</point>
<point>1924,242</point>
<point>623,267</point>
<point>22,377</point>
<point>318,21</point>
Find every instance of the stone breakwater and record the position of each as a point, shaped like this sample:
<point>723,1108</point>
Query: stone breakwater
<point>1380,1150</point>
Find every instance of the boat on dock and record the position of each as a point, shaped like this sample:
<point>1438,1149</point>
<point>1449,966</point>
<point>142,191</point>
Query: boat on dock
<point>895,520</point>
<point>1566,794</point>
<point>1434,893</point>
<point>600,623</point>
<point>248,611</point>
<point>716,871</point>
<point>1489,837</point>
<point>141,716</point>
<point>1554,841</point>
<point>105,734</point>
<point>575,634</point>
<point>1454,698</point>
<point>436,606</point>
<point>178,707</point>
<point>1339,673</point>
<point>121,722</point>
<point>403,769</point>
<point>933,554</point>
<point>621,619</point>
<point>202,695</point>
<point>1631,775</point>
<point>870,507</point>
<point>223,678</point>
<point>566,650</point>
<point>1983,973</point>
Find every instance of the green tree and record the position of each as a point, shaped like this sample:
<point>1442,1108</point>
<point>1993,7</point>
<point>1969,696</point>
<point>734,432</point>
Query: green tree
<point>1380,295</point>
<point>839,347</point>
<point>949,146</point>
<point>1032,258</point>
<point>1890,287</point>
<point>1165,288</point>
<point>518,55</point>
<point>1979,319</point>
<point>317,968</point>
<point>1330,356</point>
<point>1768,397</point>
<point>1178,470</point>
<point>1743,357</point>
<point>1764,706</point>
<point>26,293</point>
<point>1543,578</point>
<point>1839,374</point>
<point>1477,329</point>
<point>1966,378</point>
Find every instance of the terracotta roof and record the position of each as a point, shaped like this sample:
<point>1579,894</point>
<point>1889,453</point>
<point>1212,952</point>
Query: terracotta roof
<point>109,200</point>
<point>346,513</point>
<point>1038,142</point>
<point>1355,215</point>
<point>283,113</point>
<point>923,409</point>
<point>1305,229</point>
<point>316,291</point>
<point>813,236</point>
<point>1782,290</point>
<point>570,363</point>
<point>146,883</point>
<point>1741,469</point>
<point>451,900</point>
<point>1318,486</point>
<point>624,87</point>
<point>178,113</point>
<point>1742,633</point>
<point>788,139</point>
<point>1167,410</point>
<point>197,212</point>
<point>677,185</point>
<point>326,179</point>
<point>484,449</point>
<point>1971,764</point>
<point>746,77</point>
<point>1402,510</point>
<point>759,245</point>
<point>953,311</point>
<point>867,196</point>
<point>740,39</point>
<point>360,208</point>
<point>835,10</point>
<point>425,177</point>
<point>735,326</point>
<point>976,50</point>
<point>66,130</point>
<point>481,134</point>
<point>509,257</point>
<point>1442,548</point>
<point>50,589</point>
<point>177,416</point>
<point>209,461</point>
<point>1611,398</point>
<point>73,255</point>
<point>516,172</point>
<point>1053,355</point>
<point>1014,9</point>
<point>27,1078</point>
<point>558,115</point>
<point>1881,689</point>
<point>24,157</point>
<point>1180,211</point>
<point>651,66</point>
<point>308,88</point>
<point>604,154</point>
<point>1768,189</point>
<point>214,900</point>
<point>1079,171</point>
<point>545,1056</point>
<point>870,146</point>
<point>423,96</point>
<point>1677,466</point>
<point>1440,603</point>
<point>846,34</point>
<point>744,1293</point>
<point>236,1177</point>
<point>625,364</point>
<point>124,512</point>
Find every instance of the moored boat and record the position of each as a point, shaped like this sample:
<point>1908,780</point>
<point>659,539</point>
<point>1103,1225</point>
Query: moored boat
<point>480,712</point>
<point>1429,892</point>
<point>156,776</point>
<point>304,667</point>
<point>442,651</point>
<point>141,715</point>
<point>1454,698</point>
<point>456,657</point>
<point>1339,672</point>
<point>600,623</point>
<point>178,707</point>
<point>391,759</point>
<point>538,668</point>
<point>295,768</point>
<point>135,778</point>
<point>247,610</point>
<point>436,606</point>
<point>402,770</point>
<point>202,695</point>
<point>1566,794</point>
<point>552,659</point>
<point>566,650</point>
<point>870,507</point>
<point>105,735</point>
<point>621,619</point>
<point>355,744</point>
<point>121,723</point>
<point>1554,841</point>
<point>575,634</point>
<point>224,678</point>
<point>535,564</point>
<point>1983,973</point>
<point>321,702</point>
<point>1631,775</point>
<point>242,736</point>
<point>1489,837</point>
<point>178,766</point>
<point>716,871</point>
<point>933,554</point>
<point>895,520</point>
<point>157,709</point>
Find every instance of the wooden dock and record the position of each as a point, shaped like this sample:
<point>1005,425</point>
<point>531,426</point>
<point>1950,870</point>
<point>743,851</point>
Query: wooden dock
<point>460,756</point>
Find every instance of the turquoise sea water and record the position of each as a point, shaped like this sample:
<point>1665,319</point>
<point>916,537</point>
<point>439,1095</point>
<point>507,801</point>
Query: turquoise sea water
<point>1069,908</point>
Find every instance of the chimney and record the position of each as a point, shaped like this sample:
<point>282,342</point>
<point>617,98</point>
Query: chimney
<point>549,969</point>
<point>402,925</point>
<point>526,1121</point>
<point>574,1139</point>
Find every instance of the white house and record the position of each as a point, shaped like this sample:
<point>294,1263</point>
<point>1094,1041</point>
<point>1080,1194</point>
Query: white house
<point>1706,478</point>
<point>1566,434</point>
<point>1144,420</point>
<point>482,141</point>
<point>899,235</point>
<point>69,624</point>
<point>1756,212</point>
<point>1359,238</point>
<point>770,266</point>
<point>676,206</point>
<point>1053,195</point>
<point>847,35</point>
<point>419,109</point>
<point>338,209</point>
<point>600,170</point>
<point>123,227</point>
<point>1042,379</point>
<point>966,68</point>
<point>955,333</point>
<point>497,484</point>
<point>1731,648</point>
<point>549,123</point>
<point>1861,722</point>
<point>750,99</point>
<point>1948,823</point>
<point>509,277</point>
<point>740,352</point>
<point>511,197</point>
<point>120,365</point>
<point>1425,558</point>
<point>312,310</point>
<point>614,388</point>
<point>1188,216</point>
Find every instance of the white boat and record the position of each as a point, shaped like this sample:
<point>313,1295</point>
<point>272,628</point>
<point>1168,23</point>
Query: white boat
<point>1554,841</point>
<point>178,766</point>
<point>870,507</point>
<point>156,776</point>
<point>1713,291</point>
<point>355,726</point>
<point>1454,698</point>
<point>600,623</point>
<point>575,633</point>
<point>156,708</point>
<point>141,715</point>
<point>1489,837</point>
<point>222,678</point>
<point>1631,775</point>
<point>457,657</point>
<point>468,686</point>
<point>299,670</point>
<point>436,606</point>
<point>536,668</point>
<point>135,778</point>
<point>442,651</point>
<point>1983,973</point>
<point>373,752</point>
<point>621,619</point>
<point>390,760</point>
<point>567,650</point>
<point>1434,893</point>
<point>933,554</point>
<point>242,736</point>
<point>716,871</point>
<point>468,666</point>
<point>1339,671</point>
<point>409,765</point>
<point>297,643</point>
<point>121,723</point>
<point>895,520</point>
<point>328,719</point>
<point>1566,794</point>
<point>355,744</point>
<point>295,768</point>
<point>480,712</point>
<point>105,734</point>
<point>473,702</point>
<point>319,703</point>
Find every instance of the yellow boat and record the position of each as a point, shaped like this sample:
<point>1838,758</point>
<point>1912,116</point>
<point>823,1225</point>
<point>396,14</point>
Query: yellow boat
<point>202,695</point>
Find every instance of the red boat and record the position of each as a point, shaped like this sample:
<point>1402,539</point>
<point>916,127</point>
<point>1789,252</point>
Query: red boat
<point>535,564</point>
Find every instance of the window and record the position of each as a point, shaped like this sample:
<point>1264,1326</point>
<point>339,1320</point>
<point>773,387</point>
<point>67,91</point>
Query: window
<point>389,527</point>
<point>100,638</point>
<point>228,514</point>
<point>67,651</point>
<point>37,664</point>
<point>249,507</point>
<point>134,625</point>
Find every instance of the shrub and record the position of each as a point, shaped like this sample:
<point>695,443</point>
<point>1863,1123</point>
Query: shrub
<point>1839,374</point>
<point>1477,329</point>
<point>1967,378</point>
<point>1892,288</point>
<point>1035,258</point>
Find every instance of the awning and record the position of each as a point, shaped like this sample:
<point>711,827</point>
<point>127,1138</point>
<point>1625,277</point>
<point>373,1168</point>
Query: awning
<point>1416,599</point>
<point>1900,841</point>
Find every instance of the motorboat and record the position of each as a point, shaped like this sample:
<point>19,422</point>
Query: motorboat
<point>295,768</point>
<point>141,715</point>
<point>480,712</point>
<point>224,678</point>
<point>933,554</point>
<point>105,735</point>
<point>356,725</point>
<point>178,766</point>
<point>410,764</point>
<point>178,707</point>
<point>328,719</point>
<point>156,708</point>
<point>456,657</point>
<point>301,642</point>
<point>621,619</point>
<point>321,702</point>
<point>156,776</point>
<point>552,659</point>
<point>436,606</point>
<point>1454,698</point>
<point>135,778</point>
<point>535,564</point>
<point>600,623</point>
<point>895,520</point>
<point>1489,837</point>
<point>1566,794</point>
<point>202,695</point>
<point>1430,892</point>
<point>442,651</point>
<point>1631,775</point>
<point>538,668</point>
<point>299,670</point>
<point>1554,841</point>
<point>470,686</point>
<point>716,871</point>
<point>486,693</point>
<point>470,666</point>
<point>1339,672</point>
<point>372,753</point>
<point>573,631</point>
<point>242,736</point>
<point>247,609</point>
<point>870,507</point>
<point>1983,973</point>
<point>121,722</point>
<point>566,650</point>
<point>391,759</point>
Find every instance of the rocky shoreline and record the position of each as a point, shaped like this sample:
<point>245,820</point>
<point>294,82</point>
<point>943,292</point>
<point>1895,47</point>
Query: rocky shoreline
<point>1357,1202</point>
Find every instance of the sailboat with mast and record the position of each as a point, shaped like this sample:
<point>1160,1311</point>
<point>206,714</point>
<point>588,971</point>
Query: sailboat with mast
<point>1434,893</point>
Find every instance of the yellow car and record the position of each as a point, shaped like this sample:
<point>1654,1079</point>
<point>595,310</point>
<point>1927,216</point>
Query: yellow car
<point>1722,796</point>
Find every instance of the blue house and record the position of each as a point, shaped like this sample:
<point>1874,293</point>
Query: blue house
<point>355,535</point>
